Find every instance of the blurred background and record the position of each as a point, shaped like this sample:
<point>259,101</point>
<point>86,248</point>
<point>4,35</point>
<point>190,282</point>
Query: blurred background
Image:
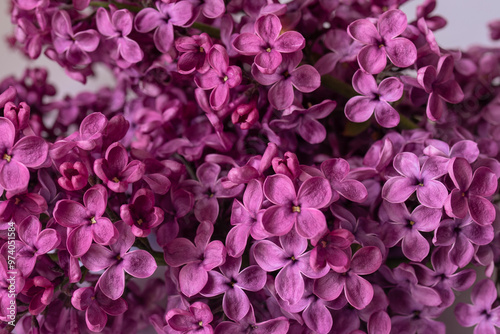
<point>467,26</point>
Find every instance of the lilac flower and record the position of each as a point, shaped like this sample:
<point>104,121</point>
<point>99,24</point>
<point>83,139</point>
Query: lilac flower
<point>194,321</point>
<point>466,149</point>
<point>336,171</point>
<point>19,115</point>
<point>141,214</point>
<point>115,170</point>
<point>17,157</point>
<point>195,53</point>
<point>74,46</point>
<point>118,260</point>
<point>483,295</point>
<point>287,76</point>
<point>116,28</point>
<point>295,208</point>
<point>406,227</point>
<point>374,100</point>
<point>460,235</point>
<point>199,258</point>
<point>331,250</point>
<point>342,47</point>
<point>245,115</point>
<point>86,221</point>
<point>247,219</point>
<point>382,42</point>
<point>305,121</point>
<point>97,307</point>
<point>231,283</point>
<point>440,85</point>
<point>33,243</point>
<point>471,189</point>
<point>221,77</point>
<point>430,192</point>
<point>74,176</point>
<point>210,8</point>
<point>175,206</point>
<point>288,165</point>
<point>358,291</point>
<point>293,261</point>
<point>19,206</point>
<point>424,11</point>
<point>41,292</point>
<point>163,19</point>
<point>267,44</point>
<point>248,325</point>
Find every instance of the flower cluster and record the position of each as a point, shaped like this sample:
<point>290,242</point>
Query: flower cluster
<point>309,167</point>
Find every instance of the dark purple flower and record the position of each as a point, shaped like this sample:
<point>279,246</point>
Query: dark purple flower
<point>74,176</point>
<point>194,53</point>
<point>267,44</point>
<point>74,46</point>
<point>19,115</point>
<point>336,172</point>
<point>430,192</point>
<point>248,325</point>
<point>41,292</point>
<point>141,214</point>
<point>382,42</point>
<point>374,100</point>
<point>304,78</point>
<point>117,261</point>
<point>194,321</point>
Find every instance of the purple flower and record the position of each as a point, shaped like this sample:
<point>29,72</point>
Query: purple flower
<point>466,149</point>
<point>471,189</point>
<point>210,8</point>
<point>248,325</point>
<point>97,307</point>
<point>33,243</point>
<point>382,42</point>
<point>19,206</point>
<point>231,283</point>
<point>19,115</point>
<point>296,208</point>
<point>17,157</point>
<point>74,46</point>
<point>116,28</point>
<point>141,214</point>
<point>293,260</point>
<point>41,291</point>
<point>287,76</point>
<point>118,260</point>
<point>483,295</point>
<point>440,85</point>
<point>358,291</point>
<point>220,78</point>
<point>86,221</point>
<point>194,321</point>
<point>267,44</point>
<point>115,170</point>
<point>336,172</point>
<point>342,47</point>
<point>430,192</point>
<point>74,176</point>
<point>195,53</point>
<point>331,250</point>
<point>460,235</point>
<point>374,100</point>
<point>199,258</point>
<point>163,19</point>
<point>406,227</point>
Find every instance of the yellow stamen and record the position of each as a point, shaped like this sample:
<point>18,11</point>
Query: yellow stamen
<point>421,184</point>
<point>323,243</point>
<point>200,323</point>
<point>295,208</point>
<point>380,46</point>
<point>268,50</point>
<point>92,298</point>
<point>463,194</point>
<point>92,220</point>
<point>293,258</point>
<point>118,257</point>
<point>18,200</point>
<point>140,221</point>
<point>7,157</point>
<point>202,49</point>
<point>412,222</point>
<point>226,78</point>
<point>115,179</point>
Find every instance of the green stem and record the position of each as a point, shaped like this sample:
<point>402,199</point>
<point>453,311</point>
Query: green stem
<point>211,31</point>
<point>105,4</point>
<point>189,169</point>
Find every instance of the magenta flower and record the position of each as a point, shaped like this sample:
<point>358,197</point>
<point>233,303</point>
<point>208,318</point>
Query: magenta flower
<point>194,321</point>
<point>74,176</point>
<point>220,78</point>
<point>163,19</point>
<point>210,8</point>
<point>194,53</point>
<point>342,47</point>
<point>249,325</point>
<point>19,115</point>
<point>17,157</point>
<point>247,219</point>
<point>231,283</point>
<point>199,258</point>
<point>296,208</point>
<point>406,227</point>
<point>483,295</point>
<point>141,214</point>
<point>382,42</point>
<point>97,307</point>
<point>336,172</point>
<point>19,206</point>
<point>331,250</point>
<point>358,291</point>
<point>33,243</point>
<point>293,260</point>
<point>287,76</point>
<point>86,221</point>
<point>430,192</point>
<point>115,170</point>
<point>466,149</point>
<point>41,292</point>
<point>460,236</point>
<point>267,45</point>
<point>374,100</point>
<point>117,261</point>
<point>469,196</point>
<point>74,46</point>
<point>116,28</point>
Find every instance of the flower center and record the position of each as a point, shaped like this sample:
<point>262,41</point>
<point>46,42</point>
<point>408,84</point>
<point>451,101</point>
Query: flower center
<point>225,78</point>
<point>323,243</point>
<point>92,220</point>
<point>380,46</point>
<point>268,50</point>
<point>463,194</point>
<point>412,223</point>
<point>115,179</point>
<point>118,257</point>
<point>200,323</point>
<point>18,200</point>
<point>293,258</point>
<point>202,49</point>
<point>92,298</point>
<point>7,157</point>
<point>140,221</point>
<point>296,208</point>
